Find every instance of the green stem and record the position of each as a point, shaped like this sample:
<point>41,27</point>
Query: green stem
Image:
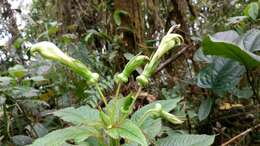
<point>135,97</point>
<point>101,94</point>
<point>118,90</point>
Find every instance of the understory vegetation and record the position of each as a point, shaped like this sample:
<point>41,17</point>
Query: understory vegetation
<point>129,72</point>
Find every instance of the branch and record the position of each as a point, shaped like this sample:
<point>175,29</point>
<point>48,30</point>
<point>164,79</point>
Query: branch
<point>241,134</point>
<point>172,58</point>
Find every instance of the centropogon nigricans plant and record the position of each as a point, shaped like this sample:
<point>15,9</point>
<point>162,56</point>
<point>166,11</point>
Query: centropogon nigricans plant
<point>116,120</point>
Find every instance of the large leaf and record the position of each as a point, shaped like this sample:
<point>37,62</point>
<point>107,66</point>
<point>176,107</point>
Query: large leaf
<point>81,115</point>
<point>152,127</point>
<point>59,137</point>
<point>186,140</point>
<point>128,130</point>
<point>220,76</point>
<point>167,105</point>
<point>225,48</point>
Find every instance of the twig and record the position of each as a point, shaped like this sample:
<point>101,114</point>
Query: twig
<point>239,135</point>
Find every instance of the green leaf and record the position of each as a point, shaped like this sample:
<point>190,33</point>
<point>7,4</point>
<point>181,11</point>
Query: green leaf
<point>21,140</point>
<point>251,40</point>
<point>152,127</point>
<point>167,105</point>
<point>213,46</point>
<point>220,76</point>
<point>81,115</point>
<point>59,137</point>
<point>252,10</point>
<point>117,16</point>
<point>128,130</point>
<point>244,93</point>
<point>205,108</point>
<point>17,71</point>
<point>186,140</point>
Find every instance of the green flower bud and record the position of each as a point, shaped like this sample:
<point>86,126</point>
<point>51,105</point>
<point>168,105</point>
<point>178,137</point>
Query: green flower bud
<point>50,51</point>
<point>169,41</point>
<point>170,117</point>
<point>132,65</point>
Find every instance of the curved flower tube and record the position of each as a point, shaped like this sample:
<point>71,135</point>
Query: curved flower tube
<point>157,111</point>
<point>132,65</point>
<point>169,41</point>
<point>51,51</point>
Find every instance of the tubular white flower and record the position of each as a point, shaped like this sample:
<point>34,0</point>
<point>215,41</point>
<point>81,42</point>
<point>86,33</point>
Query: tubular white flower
<point>51,51</point>
<point>169,41</point>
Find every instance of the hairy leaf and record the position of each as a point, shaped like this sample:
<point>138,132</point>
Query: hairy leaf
<point>186,140</point>
<point>81,115</point>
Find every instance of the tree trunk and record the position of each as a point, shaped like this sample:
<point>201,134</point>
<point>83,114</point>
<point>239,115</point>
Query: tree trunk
<point>134,21</point>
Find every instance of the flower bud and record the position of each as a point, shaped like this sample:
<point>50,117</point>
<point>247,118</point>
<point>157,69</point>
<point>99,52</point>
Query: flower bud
<point>132,65</point>
<point>169,41</point>
<point>170,117</point>
<point>50,51</point>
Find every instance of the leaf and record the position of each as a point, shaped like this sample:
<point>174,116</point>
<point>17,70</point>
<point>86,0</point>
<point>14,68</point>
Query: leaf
<point>167,105</point>
<point>4,81</point>
<point>251,40</point>
<point>251,10</point>
<point>186,140</point>
<point>83,114</point>
<point>220,76</point>
<point>205,108</point>
<point>199,56</point>
<point>117,16</point>
<point>21,140</point>
<point>152,127</point>
<point>23,91</point>
<point>128,130</point>
<point>213,46</point>
<point>244,93</point>
<point>59,137</point>
<point>17,71</point>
